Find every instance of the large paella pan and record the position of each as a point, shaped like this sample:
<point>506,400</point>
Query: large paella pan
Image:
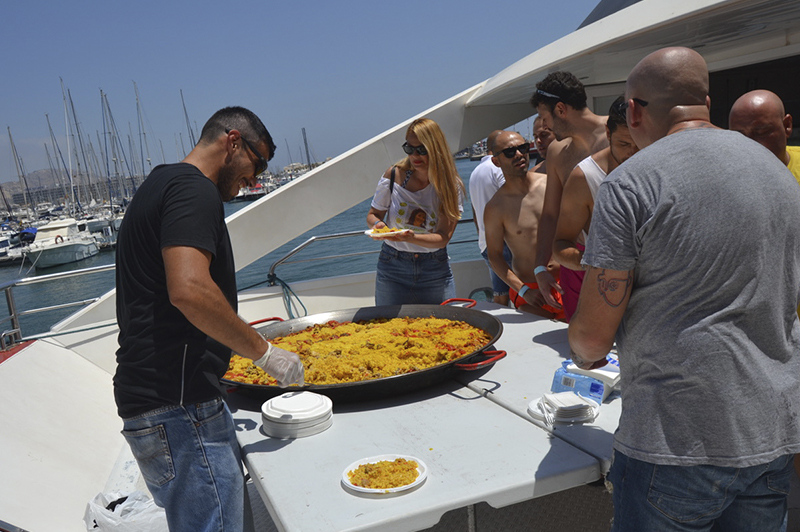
<point>396,384</point>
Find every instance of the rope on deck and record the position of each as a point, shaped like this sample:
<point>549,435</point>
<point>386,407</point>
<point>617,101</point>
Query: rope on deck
<point>288,295</point>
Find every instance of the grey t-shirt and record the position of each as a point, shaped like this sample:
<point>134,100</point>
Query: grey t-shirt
<point>710,342</point>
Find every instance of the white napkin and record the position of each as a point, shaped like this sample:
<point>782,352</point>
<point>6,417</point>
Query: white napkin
<point>564,407</point>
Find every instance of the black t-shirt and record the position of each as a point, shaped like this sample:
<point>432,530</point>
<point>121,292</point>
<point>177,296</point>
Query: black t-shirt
<point>163,359</point>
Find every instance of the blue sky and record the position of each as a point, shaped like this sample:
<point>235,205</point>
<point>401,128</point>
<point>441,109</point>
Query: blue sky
<point>345,71</point>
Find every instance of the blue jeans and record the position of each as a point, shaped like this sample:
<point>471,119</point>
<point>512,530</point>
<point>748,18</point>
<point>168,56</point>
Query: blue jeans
<point>191,462</point>
<point>649,497</point>
<point>405,278</point>
<point>499,287</point>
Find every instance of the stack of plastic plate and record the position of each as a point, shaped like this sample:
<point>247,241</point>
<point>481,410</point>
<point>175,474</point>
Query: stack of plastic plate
<point>564,407</point>
<point>296,415</point>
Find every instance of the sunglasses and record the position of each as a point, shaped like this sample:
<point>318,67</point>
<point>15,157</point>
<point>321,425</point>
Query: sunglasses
<point>624,105</point>
<point>548,94</point>
<point>524,149</point>
<point>409,149</point>
<point>261,167</point>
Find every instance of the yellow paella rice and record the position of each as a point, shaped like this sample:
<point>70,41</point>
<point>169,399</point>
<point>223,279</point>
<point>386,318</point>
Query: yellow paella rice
<point>242,369</point>
<point>385,229</point>
<point>334,352</point>
<point>384,474</point>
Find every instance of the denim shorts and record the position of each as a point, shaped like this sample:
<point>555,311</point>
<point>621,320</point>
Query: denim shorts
<point>499,287</point>
<point>405,278</point>
<point>191,462</point>
<point>699,498</point>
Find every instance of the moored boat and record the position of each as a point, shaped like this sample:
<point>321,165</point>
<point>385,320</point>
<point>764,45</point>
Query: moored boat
<point>61,242</point>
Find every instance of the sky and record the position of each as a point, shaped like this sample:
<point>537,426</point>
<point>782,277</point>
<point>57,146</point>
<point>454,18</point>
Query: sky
<point>345,71</point>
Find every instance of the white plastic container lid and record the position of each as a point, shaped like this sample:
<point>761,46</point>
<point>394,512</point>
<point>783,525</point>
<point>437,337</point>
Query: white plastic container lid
<point>297,409</point>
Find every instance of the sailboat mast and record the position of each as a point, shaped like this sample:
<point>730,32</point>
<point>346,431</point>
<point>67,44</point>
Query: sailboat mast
<point>188,123</point>
<point>305,142</point>
<point>20,172</point>
<point>143,147</point>
<point>69,152</point>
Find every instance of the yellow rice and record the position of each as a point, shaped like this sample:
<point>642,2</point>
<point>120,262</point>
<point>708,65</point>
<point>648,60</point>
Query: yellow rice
<point>335,352</point>
<point>384,474</point>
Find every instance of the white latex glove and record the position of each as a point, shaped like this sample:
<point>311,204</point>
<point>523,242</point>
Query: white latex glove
<point>284,366</point>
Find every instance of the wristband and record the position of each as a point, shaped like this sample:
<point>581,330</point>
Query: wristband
<point>539,269</point>
<point>376,223</point>
<point>522,291</point>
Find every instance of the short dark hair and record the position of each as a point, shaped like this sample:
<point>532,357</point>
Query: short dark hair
<point>560,86</point>
<point>241,119</point>
<point>616,115</point>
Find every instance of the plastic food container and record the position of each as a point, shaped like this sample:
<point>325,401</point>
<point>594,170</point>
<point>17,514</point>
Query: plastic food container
<point>296,415</point>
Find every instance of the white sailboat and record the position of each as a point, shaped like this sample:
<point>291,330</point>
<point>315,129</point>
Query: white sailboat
<point>64,446</point>
<point>61,242</point>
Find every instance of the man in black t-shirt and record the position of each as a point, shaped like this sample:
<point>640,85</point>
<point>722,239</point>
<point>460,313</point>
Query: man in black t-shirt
<point>176,309</point>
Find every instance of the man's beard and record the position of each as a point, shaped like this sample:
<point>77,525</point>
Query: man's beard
<point>225,181</point>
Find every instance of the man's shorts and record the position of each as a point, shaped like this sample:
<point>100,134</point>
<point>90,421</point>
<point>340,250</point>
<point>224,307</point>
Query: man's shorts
<point>519,301</point>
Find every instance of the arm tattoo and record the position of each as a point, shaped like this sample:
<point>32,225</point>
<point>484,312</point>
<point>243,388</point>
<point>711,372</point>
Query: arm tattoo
<point>578,361</point>
<point>614,289</point>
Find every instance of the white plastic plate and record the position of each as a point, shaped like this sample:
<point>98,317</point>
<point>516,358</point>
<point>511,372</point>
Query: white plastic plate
<point>421,468</point>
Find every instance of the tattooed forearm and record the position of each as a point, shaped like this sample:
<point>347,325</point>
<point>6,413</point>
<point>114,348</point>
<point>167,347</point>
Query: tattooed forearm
<point>578,361</point>
<point>614,289</point>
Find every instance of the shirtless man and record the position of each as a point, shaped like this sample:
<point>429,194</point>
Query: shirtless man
<point>560,100</point>
<point>577,200</point>
<point>542,138</point>
<point>760,115</point>
<point>512,216</point>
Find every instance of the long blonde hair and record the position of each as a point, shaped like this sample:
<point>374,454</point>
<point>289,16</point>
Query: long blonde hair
<point>441,165</point>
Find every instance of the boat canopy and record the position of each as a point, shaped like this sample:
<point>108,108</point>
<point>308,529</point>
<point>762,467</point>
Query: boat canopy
<point>65,227</point>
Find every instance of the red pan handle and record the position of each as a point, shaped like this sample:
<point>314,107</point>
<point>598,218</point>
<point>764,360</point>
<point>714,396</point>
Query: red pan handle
<point>494,357</point>
<point>274,318</point>
<point>471,302</point>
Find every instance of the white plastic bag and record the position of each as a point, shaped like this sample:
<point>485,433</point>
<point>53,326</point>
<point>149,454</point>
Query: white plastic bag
<point>114,511</point>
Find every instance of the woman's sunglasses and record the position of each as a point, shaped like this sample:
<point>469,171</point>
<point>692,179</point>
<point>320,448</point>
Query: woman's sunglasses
<point>524,149</point>
<point>409,149</point>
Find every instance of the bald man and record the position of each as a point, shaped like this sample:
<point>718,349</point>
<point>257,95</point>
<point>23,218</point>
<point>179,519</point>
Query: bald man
<point>693,267</point>
<point>512,217</point>
<point>485,180</point>
<point>760,115</point>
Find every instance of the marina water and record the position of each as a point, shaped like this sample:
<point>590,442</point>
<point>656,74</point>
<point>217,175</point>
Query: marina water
<point>62,291</point>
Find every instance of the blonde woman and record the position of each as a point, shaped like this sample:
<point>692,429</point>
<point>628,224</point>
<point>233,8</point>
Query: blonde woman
<point>413,267</point>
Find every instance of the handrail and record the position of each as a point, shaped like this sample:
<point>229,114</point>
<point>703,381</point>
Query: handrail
<point>271,277</point>
<point>14,334</point>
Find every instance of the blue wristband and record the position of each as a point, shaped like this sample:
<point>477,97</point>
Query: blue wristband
<point>522,290</point>
<point>539,269</point>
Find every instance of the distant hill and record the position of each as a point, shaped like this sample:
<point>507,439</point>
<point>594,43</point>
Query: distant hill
<point>38,180</point>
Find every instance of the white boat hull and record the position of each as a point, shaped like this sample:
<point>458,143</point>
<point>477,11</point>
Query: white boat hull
<point>57,254</point>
